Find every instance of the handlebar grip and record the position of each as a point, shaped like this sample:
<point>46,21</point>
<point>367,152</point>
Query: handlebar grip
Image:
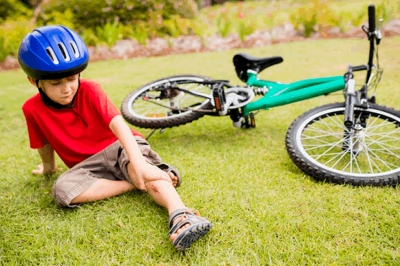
<point>371,18</point>
<point>359,68</point>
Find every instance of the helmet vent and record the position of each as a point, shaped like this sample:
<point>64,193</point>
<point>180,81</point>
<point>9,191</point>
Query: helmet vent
<point>64,51</point>
<point>75,49</point>
<point>52,56</point>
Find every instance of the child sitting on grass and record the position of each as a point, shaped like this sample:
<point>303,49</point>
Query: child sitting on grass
<point>75,118</point>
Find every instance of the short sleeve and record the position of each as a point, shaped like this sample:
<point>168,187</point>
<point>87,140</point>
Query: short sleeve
<point>36,136</point>
<point>102,104</point>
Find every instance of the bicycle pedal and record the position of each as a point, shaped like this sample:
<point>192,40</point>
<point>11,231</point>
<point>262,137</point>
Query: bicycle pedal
<point>252,120</point>
<point>219,98</point>
<point>249,121</point>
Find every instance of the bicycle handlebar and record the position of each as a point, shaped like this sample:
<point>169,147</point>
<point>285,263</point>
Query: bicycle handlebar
<point>359,68</point>
<point>371,37</point>
<point>371,18</point>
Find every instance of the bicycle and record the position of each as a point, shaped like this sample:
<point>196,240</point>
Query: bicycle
<point>353,142</point>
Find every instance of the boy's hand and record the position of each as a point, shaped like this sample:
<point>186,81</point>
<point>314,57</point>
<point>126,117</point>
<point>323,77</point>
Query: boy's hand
<point>41,171</point>
<point>146,174</point>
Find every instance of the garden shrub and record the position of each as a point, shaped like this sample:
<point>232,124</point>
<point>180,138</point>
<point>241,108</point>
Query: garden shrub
<point>109,33</point>
<point>177,26</point>
<point>384,11</point>
<point>308,18</point>
<point>91,14</point>
<point>182,8</point>
<point>340,20</point>
<point>358,18</point>
<point>3,53</point>
<point>89,37</point>
<point>107,21</point>
<point>12,32</point>
<point>139,31</point>
<point>57,17</point>
<point>12,8</point>
<point>224,24</point>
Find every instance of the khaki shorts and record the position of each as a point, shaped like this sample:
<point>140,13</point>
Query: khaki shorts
<point>111,163</point>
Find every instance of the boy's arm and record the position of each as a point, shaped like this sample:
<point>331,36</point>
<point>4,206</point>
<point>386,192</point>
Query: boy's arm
<point>48,165</point>
<point>142,170</point>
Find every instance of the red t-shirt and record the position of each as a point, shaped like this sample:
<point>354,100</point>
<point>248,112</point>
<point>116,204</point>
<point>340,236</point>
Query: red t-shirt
<point>75,133</point>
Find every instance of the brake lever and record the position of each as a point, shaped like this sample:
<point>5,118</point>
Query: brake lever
<point>378,32</point>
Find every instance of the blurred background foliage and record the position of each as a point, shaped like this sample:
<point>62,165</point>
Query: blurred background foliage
<point>104,22</point>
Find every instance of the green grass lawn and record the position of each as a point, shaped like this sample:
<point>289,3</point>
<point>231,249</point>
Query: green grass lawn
<point>265,211</point>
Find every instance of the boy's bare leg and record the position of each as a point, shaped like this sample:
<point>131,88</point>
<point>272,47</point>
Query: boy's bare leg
<point>103,189</point>
<point>162,192</point>
<point>166,196</point>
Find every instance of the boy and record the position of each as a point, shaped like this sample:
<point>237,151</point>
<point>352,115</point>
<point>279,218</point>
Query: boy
<point>75,118</point>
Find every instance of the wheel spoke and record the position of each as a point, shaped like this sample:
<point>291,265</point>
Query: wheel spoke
<point>370,150</point>
<point>168,102</point>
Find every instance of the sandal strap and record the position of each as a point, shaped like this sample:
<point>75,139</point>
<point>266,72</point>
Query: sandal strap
<point>199,226</point>
<point>169,168</point>
<point>190,218</point>
<point>175,214</point>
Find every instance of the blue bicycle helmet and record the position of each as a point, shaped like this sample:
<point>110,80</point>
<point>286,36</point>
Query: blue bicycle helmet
<point>52,52</point>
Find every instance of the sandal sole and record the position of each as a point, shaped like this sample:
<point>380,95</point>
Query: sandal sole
<point>191,234</point>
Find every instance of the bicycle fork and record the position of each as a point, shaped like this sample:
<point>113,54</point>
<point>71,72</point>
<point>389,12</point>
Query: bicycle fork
<point>354,126</point>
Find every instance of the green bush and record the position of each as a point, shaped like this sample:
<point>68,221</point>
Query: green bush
<point>11,34</point>
<point>177,26</point>
<point>309,18</point>
<point>89,37</point>
<point>224,24</point>
<point>3,52</point>
<point>92,14</point>
<point>139,31</point>
<point>358,18</point>
<point>305,19</point>
<point>385,11</point>
<point>341,20</point>
<point>172,28</point>
<point>109,33</point>
<point>182,8</point>
<point>57,17</point>
<point>12,8</point>
<point>245,28</point>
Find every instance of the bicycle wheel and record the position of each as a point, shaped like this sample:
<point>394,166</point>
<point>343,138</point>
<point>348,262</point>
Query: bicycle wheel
<point>167,102</point>
<point>369,154</point>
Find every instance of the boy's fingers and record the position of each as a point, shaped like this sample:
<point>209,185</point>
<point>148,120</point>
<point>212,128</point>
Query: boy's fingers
<point>168,178</point>
<point>141,186</point>
<point>164,176</point>
<point>172,176</point>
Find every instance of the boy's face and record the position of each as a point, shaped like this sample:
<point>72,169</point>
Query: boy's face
<point>61,91</point>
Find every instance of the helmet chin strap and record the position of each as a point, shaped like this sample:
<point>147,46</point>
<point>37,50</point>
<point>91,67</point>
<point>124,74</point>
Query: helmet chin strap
<point>49,102</point>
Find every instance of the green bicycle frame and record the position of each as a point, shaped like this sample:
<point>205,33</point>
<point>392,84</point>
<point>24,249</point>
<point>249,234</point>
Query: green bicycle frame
<point>284,93</point>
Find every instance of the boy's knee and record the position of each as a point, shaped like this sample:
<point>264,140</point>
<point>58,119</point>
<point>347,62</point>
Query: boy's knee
<point>70,185</point>
<point>60,194</point>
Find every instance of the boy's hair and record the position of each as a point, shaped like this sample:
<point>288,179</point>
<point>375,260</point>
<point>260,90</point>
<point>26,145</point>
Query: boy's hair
<point>52,52</point>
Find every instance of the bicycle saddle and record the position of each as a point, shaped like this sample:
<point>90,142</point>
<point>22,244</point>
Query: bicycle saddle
<point>244,62</point>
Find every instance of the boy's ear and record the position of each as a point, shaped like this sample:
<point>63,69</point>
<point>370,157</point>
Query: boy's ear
<point>32,81</point>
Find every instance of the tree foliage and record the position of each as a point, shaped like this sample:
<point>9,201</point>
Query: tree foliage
<point>90,14</point>
<point>12,8</point>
